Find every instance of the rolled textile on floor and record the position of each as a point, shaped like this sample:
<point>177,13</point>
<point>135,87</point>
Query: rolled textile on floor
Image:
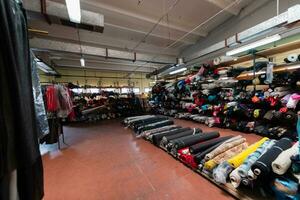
<point>194,149</point>
<point>130,119</point>
<point>155,125</point>
<point>199,157</point>
<point>221,172</point>
<point>160,129</point>
<point>283,162</point>
<point>185,156</point>
<point>211,164</point>
<point>143,122</point>
<point>237,160</point>
<point>262,167</point>
<point>235,178</point>
<point>251,175</point>
<point>156,138</point>
<point>192,139</point>
<point>252,158</point>
<point>228,144</point>
<point>165,140</point>
<point>246,181</point>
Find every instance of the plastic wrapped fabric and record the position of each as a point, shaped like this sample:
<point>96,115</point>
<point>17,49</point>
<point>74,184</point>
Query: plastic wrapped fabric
<point>237,160</point>
<point>221,172</point>
<point>40,111</point>
<point>262,167</point>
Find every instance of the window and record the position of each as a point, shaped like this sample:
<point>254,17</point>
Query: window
<point>125,90</point>
<point>136,90</point>
<point>147,90</point>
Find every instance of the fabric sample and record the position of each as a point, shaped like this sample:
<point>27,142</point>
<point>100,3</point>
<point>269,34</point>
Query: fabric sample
<point>262,167</point>
<point>237,160</point>
<point>194,149</point>
<point>282,163</point>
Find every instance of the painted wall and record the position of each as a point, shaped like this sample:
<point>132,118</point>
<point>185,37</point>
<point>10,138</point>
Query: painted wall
<point>98,78</point>
<point>257,12</point>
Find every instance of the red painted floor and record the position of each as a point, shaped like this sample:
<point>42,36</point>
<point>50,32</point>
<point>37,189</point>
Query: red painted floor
<point>104,161</point>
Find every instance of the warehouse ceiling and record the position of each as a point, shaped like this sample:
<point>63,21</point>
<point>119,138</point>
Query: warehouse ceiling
<point>157,30</point>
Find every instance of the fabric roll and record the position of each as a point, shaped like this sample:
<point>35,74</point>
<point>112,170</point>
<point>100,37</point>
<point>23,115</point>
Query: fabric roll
<point>247,182</point>
<point>235,178</point>
<point>225,146</point>
<point>262,167</point>
<point>211,164</point>
<point>193,139</point>
<point>185,156</point>
<point>221,172</point>
<point>155,125</point>
<point>199,157</point>
<point>143,122</point>
<point>237,160</point>
<point>156,138</point>
<point>156,130</point>
<point>283,162</point>
<point>194,149</point>
<point>251,175</point>
<point>165,140</point>
<point>252,158</point>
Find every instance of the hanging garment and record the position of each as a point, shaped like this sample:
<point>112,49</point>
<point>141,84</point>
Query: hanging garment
<point>252,158</point>
<point>40,111</point>
<point>225,146</point>
<point>211,164</point>
<point>237,160</point>
<point>19,147</point>
<point>283,162</point>
<point>262,167</point>
<point>194,149</point>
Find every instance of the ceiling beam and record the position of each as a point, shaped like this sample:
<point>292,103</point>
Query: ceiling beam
<point>234,9</point>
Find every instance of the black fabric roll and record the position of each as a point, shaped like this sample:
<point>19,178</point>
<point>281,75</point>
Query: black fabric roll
<point>262,167</point>
<point>194,149</point>
<point>199,156</point>
<point>144,122</point>
<point>165,140</point>
<point>162,131</point>
<point>193,139</point>
<point>156,138</point>
<point>155,125</point>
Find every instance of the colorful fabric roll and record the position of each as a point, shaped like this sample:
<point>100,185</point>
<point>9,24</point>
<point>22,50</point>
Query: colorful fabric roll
<point>199,157</point>
<point>235,178</point>
<point>237,160</point>
<point>283,162</point>
<point>225,146</point>
<point>252,158</point>
<point>194,149</point>
<point>262,167</point>
<point>221,172</point>
<point>187,158</point>
<point>209,165</point>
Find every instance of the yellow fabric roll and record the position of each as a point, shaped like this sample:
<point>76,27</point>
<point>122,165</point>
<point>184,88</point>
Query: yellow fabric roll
<point>209,165</point>
<point>237,160</point>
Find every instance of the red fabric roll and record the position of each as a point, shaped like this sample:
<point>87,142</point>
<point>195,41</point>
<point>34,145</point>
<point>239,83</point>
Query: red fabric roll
<point>187,158</point>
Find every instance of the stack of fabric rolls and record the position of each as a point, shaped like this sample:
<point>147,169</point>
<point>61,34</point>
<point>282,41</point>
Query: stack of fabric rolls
<point>227,159</point>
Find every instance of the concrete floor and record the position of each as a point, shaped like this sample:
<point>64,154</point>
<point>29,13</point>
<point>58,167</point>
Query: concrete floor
<point>104,161</point>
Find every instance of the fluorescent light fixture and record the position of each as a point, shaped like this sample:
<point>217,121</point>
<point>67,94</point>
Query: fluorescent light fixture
<point>253,45</point>
<point>45,68</point>
<point>293,67</point>
<point>178,71</point>
<point>223,78</point>
<point>82,62</point>
<point>73,7</point>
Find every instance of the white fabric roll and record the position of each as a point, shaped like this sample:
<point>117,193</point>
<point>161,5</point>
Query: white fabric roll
<point>283,162</point>
<point>235,178</point>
